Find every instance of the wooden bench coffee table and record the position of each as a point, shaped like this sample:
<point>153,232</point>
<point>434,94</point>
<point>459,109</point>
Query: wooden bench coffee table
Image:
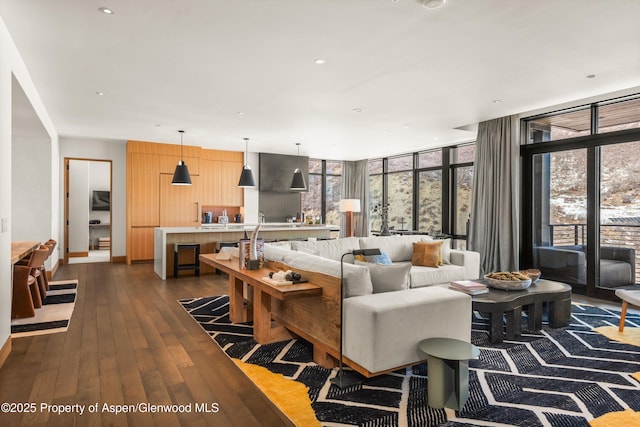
<point>555,297</point>
<point>264,329</point>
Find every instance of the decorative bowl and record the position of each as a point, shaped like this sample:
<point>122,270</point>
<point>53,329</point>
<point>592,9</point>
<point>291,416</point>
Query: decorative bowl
<point>507,284</point>
<point>533,273</point>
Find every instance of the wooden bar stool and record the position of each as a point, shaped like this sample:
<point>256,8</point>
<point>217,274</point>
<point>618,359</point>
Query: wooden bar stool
<point>195,265</point>
<point>22,301</point>
<point>628,297</point>
<point>36,277</point>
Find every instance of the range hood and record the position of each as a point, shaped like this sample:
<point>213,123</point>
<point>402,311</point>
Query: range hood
<point>276,171</point>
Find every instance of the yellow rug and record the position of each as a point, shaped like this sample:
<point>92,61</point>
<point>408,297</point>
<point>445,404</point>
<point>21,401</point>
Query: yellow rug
<point>291,397</point>
<point>629,336</point>
<point>626,418</point>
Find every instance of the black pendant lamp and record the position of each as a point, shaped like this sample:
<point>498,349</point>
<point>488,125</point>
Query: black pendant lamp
<point>246,177</point>
<point>297,183</point>
<point>181,175</point>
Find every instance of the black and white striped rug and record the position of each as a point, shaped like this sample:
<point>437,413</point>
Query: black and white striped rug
<point>55,313</point>
<point>554,377</point>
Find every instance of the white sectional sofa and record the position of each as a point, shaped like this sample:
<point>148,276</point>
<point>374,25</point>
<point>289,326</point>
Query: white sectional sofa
<point>389,309</point>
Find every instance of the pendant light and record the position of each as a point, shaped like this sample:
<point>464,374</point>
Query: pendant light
<point>297,183</point>
<point>246,177</point>
<point>181,175</point>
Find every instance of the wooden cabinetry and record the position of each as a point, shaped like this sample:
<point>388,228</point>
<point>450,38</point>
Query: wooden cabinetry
<point>179,204</point>
<point>230,193</point>
<point>145,190</point>
<point>211,183</point>
<point>220,174</point>
<point>153,202</point>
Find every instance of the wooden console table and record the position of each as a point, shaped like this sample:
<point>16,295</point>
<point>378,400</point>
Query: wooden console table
<point>264,329</point>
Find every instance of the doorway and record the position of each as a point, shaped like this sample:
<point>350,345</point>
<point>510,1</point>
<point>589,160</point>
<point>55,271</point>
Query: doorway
<point>87,210</point>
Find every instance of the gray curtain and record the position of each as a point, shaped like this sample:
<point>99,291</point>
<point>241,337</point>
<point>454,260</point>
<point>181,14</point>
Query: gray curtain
<point>355,185</point>
<point>493,228</point>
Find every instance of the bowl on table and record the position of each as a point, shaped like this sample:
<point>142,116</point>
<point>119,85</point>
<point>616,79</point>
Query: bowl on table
<point>508,281</point>
<point>533,273</point>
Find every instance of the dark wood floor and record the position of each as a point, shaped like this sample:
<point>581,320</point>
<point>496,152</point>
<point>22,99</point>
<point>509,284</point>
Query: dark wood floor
<point>130,342</point>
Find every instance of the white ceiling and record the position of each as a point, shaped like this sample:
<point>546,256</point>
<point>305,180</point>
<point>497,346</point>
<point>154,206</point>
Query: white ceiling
<point>419,76</point>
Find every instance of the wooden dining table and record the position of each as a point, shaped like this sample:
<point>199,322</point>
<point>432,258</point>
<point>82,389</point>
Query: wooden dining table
<point>20,250</point>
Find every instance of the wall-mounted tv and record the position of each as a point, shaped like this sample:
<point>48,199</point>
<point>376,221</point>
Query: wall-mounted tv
<point>101,201</point>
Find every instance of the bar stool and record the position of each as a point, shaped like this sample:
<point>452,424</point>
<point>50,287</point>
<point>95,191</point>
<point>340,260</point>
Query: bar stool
<point>36,278</point>
<point>176,258</point>
<point>21,302</point>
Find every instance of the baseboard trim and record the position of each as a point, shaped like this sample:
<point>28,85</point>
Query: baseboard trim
<point>119,259</point>
<point>78,254</point>
<point>53,271</point>
<point>5,350</point>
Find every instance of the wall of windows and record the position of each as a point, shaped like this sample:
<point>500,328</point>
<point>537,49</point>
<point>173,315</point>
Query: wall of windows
<point>325,182</point>
<point>428,191</point>
<point>580,175</point>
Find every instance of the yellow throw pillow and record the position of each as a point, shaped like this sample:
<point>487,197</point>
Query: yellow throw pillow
<point>427,254</point>
<point>360,258</point>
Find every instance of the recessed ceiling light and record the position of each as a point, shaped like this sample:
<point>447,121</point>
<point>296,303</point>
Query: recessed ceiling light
<point>319,61</point>
<point>105,10</point>
<point>432,4</point>
<point>357,110</point>
<point>406,126</point>
<point>591,76</point>
<point>100,93</point>
<point>496,101</point>
<point>240,113</point>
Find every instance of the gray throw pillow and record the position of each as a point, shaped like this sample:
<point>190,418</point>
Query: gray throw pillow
<point>388,277</point>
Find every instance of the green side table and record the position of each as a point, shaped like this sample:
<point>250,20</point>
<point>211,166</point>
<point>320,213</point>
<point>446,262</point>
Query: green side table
<point>448,371</point>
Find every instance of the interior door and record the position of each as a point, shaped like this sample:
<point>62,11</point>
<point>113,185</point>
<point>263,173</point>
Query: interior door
<point>179,204</point>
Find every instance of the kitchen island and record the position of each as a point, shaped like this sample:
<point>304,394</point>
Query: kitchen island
<point>210,235</point>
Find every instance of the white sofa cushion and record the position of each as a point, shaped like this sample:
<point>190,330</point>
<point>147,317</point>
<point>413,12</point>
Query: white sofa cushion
<point>470,260</point>
<point>399,248</point>
<point>356,277</point>
<point>275,252</point>
<point>388,277</point>
<point>330,249</point>
<point>427,276</point>
<point>382,331</point>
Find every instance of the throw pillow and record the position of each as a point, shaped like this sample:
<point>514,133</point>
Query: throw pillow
<point>427,254</point>
<point>360,258</point>
<point>388,277</point>
<point>446,251</point>
<point>383,259</point>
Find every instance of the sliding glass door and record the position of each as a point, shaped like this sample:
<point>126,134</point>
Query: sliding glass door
<point>581,207</point>
<point>560,215</point>
<point>619,214</point>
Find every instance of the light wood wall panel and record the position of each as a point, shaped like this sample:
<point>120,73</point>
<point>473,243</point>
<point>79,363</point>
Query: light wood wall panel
<point>152,201</point>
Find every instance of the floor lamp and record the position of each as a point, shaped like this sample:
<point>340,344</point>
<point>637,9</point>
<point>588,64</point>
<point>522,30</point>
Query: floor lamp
<point>342,379</point>
<point>349,206</point>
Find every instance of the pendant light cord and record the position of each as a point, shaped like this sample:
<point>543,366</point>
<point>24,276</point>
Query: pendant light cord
<point>181,157</point>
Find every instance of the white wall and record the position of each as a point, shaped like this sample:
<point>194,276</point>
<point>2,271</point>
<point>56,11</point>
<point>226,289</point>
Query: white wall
<point>11,63</point>
<point>102,149</point>
<point>30,171</point>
